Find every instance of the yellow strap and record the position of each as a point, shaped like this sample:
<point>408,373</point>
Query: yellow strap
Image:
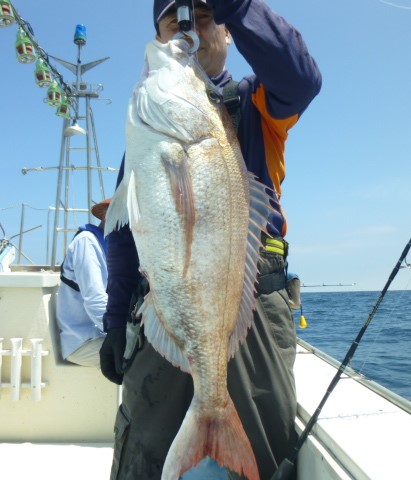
<point>276,246</point>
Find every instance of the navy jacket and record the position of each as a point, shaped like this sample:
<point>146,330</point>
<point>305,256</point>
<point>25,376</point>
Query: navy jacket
<point>285,80</point>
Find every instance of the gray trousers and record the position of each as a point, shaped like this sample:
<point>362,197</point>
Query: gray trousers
<point>156,395</point>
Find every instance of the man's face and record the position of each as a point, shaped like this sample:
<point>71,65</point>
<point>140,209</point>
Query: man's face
<point>214,39</point>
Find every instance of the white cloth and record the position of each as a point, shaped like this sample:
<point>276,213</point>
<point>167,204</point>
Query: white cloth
<point>7,257</point>
<point>88,355</point>
<point>80,314</point>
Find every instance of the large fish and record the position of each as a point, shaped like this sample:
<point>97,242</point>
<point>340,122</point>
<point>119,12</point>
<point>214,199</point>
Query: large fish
<point>195,214</point>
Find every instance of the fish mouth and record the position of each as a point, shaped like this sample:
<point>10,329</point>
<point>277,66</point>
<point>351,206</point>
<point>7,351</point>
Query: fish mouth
<point>182,43</point>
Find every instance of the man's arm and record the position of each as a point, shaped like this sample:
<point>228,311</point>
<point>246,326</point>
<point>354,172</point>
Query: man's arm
<point>123,276</point>
<point>276,52</point>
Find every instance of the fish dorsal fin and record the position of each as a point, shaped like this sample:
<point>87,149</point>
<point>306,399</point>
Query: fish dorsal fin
<point>159,338</point>
<point>260,209</point>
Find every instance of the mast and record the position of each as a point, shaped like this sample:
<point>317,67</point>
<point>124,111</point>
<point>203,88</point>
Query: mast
<point>69,99</point>
<point>83,93</point>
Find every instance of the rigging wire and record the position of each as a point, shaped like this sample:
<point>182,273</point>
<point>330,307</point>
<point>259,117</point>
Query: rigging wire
<point>17,205</point>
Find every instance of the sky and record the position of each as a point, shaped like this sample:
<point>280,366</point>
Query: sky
<point>347,193</point>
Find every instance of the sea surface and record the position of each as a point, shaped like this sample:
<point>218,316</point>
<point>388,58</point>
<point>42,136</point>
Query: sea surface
<point>384,353</point>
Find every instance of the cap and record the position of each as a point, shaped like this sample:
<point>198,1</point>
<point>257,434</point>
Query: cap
<point>99,210</point>
<point>160,8</point>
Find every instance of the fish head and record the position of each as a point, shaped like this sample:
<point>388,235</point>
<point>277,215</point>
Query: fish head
<point>175,95</point>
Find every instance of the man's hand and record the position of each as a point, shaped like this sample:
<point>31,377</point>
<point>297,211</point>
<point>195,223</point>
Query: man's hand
<point>111,354</point>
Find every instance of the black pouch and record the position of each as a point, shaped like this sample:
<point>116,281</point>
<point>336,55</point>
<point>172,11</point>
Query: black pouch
<point>294,291</point>
<point>135,331</point>
<point>272,273</point>
<point>121,428</point>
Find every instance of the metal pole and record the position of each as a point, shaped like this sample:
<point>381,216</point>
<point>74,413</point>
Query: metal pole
<point>100,173</point>
<point>58,195</point>
<point>89,172</point>
<point>23,214</point>
<point>66,193</point>
<point>48,236</point>
<point>78,80</point>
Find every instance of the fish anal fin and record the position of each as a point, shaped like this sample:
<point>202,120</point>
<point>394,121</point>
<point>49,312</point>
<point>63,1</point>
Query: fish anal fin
<point>220,437</point>
<point>159,337</point>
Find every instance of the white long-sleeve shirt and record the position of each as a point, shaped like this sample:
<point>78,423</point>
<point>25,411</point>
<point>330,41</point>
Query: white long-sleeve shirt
<point>80,314</point>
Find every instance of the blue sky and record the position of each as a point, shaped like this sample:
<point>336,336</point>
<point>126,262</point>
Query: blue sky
<point>347,193</point>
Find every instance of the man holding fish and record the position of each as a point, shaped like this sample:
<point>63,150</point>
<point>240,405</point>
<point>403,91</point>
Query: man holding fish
<point>211,380</point>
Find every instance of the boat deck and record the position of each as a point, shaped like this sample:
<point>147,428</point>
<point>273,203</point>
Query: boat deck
<point>51,461</point>
<point>59,417</point>
<point>363,429</point>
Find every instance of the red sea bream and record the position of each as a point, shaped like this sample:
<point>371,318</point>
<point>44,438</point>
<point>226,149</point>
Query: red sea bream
<point>196,214</point>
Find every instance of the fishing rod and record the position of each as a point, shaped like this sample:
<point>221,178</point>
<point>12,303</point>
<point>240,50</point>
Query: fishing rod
<point>286,467</point>
<point>327,285</point>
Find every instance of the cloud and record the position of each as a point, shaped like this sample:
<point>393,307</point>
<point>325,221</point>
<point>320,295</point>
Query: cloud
<point>396,5</point>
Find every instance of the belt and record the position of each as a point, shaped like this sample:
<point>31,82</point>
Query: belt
<point>276,245</point>
<point>272,265</point>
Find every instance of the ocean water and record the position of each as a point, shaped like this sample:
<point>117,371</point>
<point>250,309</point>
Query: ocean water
<point>384,353</point>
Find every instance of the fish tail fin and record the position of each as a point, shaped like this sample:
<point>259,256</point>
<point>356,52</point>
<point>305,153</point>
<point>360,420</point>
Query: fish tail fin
<point>222,438</point>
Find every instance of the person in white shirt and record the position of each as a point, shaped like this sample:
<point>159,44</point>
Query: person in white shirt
<point>82,297</point>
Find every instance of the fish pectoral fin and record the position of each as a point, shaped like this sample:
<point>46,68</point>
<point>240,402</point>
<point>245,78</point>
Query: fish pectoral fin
<point>160,338</point>
<point>176,164</point>
<point>175,161</point>
<point>117,213</point>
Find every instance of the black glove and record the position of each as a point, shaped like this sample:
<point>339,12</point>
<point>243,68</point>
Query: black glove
<point>111,354</point>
